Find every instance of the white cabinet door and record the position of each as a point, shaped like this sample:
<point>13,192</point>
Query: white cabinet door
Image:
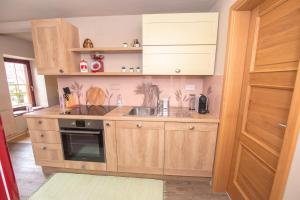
<point>180,29</point>
<point>179,60</point>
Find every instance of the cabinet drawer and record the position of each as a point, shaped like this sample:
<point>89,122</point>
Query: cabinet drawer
<point>85,165</point>
<point>139,124</point>
<point>45,136</point>
<point>180,29</point>
<point>42,124</point>
<point>175,126</point>
<point>179,60</point>
<point>47,152</point>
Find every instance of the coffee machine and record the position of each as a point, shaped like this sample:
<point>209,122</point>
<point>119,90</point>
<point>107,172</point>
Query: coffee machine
<point>203,104</point>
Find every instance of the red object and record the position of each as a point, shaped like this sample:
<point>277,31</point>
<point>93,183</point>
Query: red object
<point>98,65</point>
<point>8,184</point>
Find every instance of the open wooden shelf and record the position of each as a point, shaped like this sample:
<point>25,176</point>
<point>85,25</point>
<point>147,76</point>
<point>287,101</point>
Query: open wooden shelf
<point>109,50</point>
<point>104,74</point>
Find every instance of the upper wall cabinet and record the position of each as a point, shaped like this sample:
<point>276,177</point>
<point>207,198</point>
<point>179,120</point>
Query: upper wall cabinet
<point>51,40</point>
<point>180,29</point>
<point>179,44</point>
<point>179,60</point>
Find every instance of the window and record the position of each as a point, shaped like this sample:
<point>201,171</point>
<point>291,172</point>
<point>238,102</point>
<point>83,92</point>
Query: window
<point>19,83</point>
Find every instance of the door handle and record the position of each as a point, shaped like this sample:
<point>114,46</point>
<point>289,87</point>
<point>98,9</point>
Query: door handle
<point>281,125</point>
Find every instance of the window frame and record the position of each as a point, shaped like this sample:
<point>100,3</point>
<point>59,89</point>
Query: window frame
<point>30,82</point>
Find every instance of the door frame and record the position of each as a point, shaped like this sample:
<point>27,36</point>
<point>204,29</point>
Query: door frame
<point>235,64</point>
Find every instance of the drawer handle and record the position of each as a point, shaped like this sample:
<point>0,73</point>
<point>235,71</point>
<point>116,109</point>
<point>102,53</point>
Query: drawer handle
<point>192,127</point>
<point>82,166</point>
<point>177,71</point>
<point>107,124</point>
<point>139,125</point>
<point>44,148</point>
<point>42,135</point>
<point>40,122</point>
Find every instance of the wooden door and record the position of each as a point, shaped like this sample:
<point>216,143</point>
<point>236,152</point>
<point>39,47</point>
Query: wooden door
<point>140,147</point>
<point>272,63</point>
<point>48,45</point>
<point>190,148</point>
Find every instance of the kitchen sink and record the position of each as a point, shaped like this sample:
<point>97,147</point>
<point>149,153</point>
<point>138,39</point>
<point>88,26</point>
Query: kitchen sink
<point>142,111</point>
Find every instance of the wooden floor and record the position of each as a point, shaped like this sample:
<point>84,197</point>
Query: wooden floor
<point>30,177</point>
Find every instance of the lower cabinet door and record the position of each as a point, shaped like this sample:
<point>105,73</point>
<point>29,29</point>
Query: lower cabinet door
<point>140,147</point>
<point>189,149</point>
<point>48,154</point>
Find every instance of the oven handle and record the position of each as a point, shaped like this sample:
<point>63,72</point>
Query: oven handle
<point>79,132</point>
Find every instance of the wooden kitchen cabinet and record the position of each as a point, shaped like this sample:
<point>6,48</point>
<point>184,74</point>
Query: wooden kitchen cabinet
<point>110,145</point>
<point>179,44</point>
<point>140,147</point>
<point>51,137</point>
<point>48,154</point>
<point>179,60</point>
<point>189,148</point>
<point>180,29</point>
<point>51,40</point>
<point>46,142</point>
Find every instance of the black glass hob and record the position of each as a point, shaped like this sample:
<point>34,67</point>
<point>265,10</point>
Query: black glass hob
<point>90,110</point>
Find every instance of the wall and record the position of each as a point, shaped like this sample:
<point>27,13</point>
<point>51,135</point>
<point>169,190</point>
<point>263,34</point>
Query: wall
<point>292,192</point>
<point>15,47</point>
<point>215,82</point>
<point>223,8</point>
<point>127,86</point>
<point>113,31</point>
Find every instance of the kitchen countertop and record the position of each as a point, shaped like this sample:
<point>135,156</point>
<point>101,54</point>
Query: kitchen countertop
<point>120,113</point>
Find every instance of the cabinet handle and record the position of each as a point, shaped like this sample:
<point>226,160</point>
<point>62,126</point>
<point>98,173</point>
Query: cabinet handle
<point>192,127</point>
<point>40,122</point>
<point>281,125</point>
<point>61,71</point>
<point>177,71</point>
<point>82,166</point>
<point>139,125</point>
<point>42,135</point>
<point>107,124</point>
<point>44,148</point>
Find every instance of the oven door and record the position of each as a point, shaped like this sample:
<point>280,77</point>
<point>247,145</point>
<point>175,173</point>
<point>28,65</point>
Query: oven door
<point>83,145</point>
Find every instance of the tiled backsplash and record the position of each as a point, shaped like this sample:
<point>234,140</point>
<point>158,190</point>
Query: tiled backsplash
<point>134,89</point>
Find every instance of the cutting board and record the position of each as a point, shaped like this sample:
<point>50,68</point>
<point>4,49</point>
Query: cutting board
<point>95,96</point>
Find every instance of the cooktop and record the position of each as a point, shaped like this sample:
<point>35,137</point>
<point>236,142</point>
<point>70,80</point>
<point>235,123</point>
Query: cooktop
<point>90,110</point>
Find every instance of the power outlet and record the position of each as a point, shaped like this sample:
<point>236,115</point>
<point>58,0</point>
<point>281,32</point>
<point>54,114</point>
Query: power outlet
<point>190,87</point>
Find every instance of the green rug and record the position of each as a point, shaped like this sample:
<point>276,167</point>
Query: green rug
<point>67,186</point>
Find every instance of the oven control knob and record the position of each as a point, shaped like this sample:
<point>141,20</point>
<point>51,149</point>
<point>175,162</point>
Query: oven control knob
<point>73,123</point>
<point>88,123</point>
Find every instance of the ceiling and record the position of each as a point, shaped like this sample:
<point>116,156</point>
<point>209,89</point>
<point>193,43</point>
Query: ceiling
<point>21,10</point>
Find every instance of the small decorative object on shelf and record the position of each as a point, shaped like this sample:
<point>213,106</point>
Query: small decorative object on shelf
<point>88,43</point>
<point>131,69</point>
<point>125,44</point>
<point>138,69</point>
<point>98,64</point>
<point>136,43</point>
<point>83,66</point>
<point>123,69</point>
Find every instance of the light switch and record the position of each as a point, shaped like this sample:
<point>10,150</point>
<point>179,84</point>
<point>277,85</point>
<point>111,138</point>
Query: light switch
<point>190,87</point>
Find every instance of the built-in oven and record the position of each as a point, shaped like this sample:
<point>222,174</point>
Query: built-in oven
<point>82,140</point>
